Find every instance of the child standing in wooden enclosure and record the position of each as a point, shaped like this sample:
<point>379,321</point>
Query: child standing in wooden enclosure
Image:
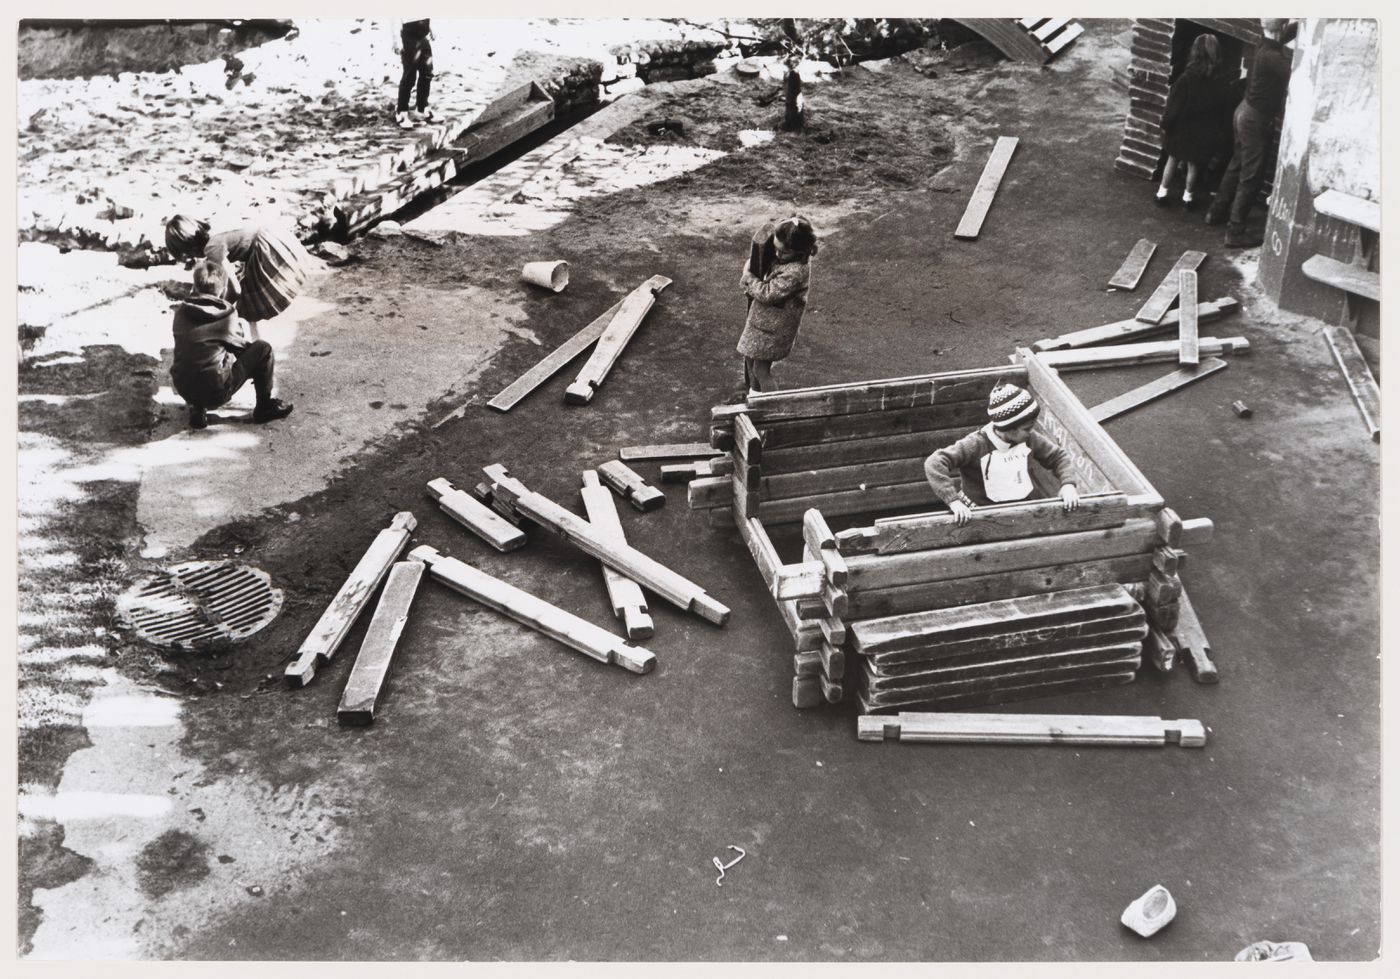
<point>994,461</point>
<point>776,279</point>
<point>272,266</point>
<point>1196,122</point>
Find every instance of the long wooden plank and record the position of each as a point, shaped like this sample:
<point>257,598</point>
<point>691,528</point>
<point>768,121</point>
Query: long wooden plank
<point>646,571</point>
<point>1130,659</point>
<point>1127,329</point>
<point>1006,695</point>
<point>1051,25</point>
<point>868,571</point>
<point>1072,729</point>
<point>1346,207</point>
<point>535,612</point>
<point>876,448</point>
<point>870,500</point>
<point>834,430</point>
<point>614,338</point>
<point>370,673</point>
<point>1340,275</point>
<point>1062,638</point>
<point>328,632</point>
<point>1062,40</point>
<point>1088,651</point>
<point>885,394</point>
<point>670,450</point>
<point>1130,272</point>
<point>990,587</point>
<point>983,194</point>
<point>1131,354</point>
<point>1191,640</point>
<point>1355,371</point>
<point>1189,333</point>
<point>629,605</point>
<point>1004,521</point>
<point>1036,611</point>
<point>819,482</point>
<point>1071,414</point>
<point>1162,299</point>
<point>1155,389</point>
<point>567,351</point>
<point>476,516</point>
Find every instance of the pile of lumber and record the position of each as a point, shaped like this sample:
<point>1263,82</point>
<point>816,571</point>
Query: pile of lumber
<point>999,651</point>
<point>812,453</point>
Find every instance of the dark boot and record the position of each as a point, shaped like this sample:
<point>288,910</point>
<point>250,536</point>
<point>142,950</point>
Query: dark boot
<point>1237,237</point>
<point>199,418</point>
<point>270,410</point>
<point>1215,214</point>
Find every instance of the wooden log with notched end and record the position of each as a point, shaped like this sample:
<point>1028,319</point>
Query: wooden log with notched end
<point>645,571</point>
<point>628,603</point>
<point>613,339</point>
<point>1191,639</point>
<point>476,516</point>
<point>350,600</point>
<point>535,612</point>
<point>1072,729</point>
<point>630,486</point>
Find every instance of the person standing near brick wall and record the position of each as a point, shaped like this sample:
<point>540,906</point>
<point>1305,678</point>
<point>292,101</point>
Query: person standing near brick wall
<point>414,45</point>
<point>1264,97</point>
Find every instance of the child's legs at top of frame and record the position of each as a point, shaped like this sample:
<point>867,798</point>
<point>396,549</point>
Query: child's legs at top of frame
<point>423,53</point>
<point>410,74</point>
<point>760,374</point>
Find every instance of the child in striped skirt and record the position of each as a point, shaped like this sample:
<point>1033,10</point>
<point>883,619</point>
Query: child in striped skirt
<point>274,264</point>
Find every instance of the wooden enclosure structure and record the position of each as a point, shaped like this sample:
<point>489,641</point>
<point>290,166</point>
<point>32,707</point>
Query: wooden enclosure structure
<point>1026,600</point>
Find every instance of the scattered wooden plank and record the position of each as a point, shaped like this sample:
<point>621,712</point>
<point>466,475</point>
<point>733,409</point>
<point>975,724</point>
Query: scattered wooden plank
<point>1160,301</point>
<point>566,352</point>
<point>370,673</point>
<point>646,571</point>
<point>1002,521</point>
<point>1073,729</point>
<point>672,450</point>
<point>1341,275</point>
<point>622,478</point>
<point>483,494</point>
<point>1062,40</point>
<point>1360,382</point>
<point>1192,642</point>
<point>1189,332</point>
<point>1051,25</point>
<point>535,612</point>
<point>982,195</point>
<point>476,516</point>
<point>1130,272</point>
<point>328,632</point>
<point>624,324</point>
<point>1128,354</point>
<point>629,605</point>
<point>1155,389</point>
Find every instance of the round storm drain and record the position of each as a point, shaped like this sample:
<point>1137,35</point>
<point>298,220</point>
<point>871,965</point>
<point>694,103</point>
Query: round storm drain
<point>199,603</point>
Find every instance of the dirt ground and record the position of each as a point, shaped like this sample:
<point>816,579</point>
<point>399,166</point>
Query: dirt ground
<point>518,801</point>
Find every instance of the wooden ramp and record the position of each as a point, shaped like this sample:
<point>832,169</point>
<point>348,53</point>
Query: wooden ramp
<point>1034,40</point>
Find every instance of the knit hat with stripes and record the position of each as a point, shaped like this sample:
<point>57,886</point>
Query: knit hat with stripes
<point>1010,406</point>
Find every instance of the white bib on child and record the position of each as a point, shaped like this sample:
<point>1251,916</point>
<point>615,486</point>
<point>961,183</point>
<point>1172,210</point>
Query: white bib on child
<point>1006,473</point>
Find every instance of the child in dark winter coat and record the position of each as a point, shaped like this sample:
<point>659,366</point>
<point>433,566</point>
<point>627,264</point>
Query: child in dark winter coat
<point>1196,122</point>
<point>214,355</point>
<point>777,299</point>
<point>994,461</point>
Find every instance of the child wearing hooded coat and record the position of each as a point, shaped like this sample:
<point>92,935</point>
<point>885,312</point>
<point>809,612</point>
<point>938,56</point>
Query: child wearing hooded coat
<point>214,356</point>
<point>777,292</point>
<point>994,461</point>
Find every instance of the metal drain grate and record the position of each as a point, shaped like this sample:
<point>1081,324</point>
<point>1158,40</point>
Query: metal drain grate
<point>199,603</point>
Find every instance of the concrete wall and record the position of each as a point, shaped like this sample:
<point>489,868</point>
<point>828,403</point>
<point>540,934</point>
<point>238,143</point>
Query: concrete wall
<point>1330,139</point>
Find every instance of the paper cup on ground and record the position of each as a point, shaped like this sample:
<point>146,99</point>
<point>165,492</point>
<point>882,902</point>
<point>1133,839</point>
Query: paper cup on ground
<point>553,276</point>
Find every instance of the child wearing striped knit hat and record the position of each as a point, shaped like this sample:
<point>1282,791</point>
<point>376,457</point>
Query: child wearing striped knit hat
<point>994,461</point>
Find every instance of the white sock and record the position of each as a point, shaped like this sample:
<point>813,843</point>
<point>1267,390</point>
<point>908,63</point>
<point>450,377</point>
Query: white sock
<point>1162,192</point>
<point>1187,197</point>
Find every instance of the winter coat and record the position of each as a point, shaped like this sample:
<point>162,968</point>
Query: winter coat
<point>779,300</point>
<point>207,337</point>
<point>964,455</point>
<point>1197,123</point>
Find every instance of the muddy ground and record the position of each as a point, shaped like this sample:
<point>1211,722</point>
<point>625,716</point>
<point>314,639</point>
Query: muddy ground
<point>516,800</point>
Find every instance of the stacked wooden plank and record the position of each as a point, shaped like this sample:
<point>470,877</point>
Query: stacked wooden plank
<point>1001,650</point>
<point>811,453</point>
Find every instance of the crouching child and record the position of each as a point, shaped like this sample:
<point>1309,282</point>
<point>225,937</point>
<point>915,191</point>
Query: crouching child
<point>994,461</point>
<point>214,356</point>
